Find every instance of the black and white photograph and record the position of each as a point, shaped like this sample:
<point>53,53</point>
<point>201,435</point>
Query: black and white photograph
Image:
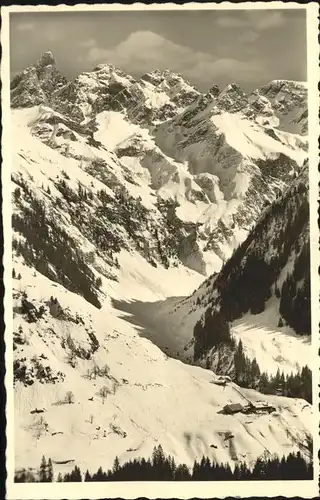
<point>160,197</point>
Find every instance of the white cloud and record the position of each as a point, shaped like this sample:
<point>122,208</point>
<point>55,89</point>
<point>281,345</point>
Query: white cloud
<point>143,51</point>
<point>229,68</point>
<point>140,49</point>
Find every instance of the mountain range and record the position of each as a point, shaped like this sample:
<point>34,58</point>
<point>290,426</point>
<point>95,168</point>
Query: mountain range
<point>153,225</point>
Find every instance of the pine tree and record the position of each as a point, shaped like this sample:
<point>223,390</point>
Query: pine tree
<point>13,273</point>
<point>43,471</point>
<point>87,476</point>
<point>59,479</point>
<point>116,465</point>
<point>49,471</point>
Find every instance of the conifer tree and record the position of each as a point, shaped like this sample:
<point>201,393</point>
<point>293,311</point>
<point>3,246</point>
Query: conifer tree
<point>43,471</point>
<point>87,476</point>
<point>49,471</point>
<point>116,465</point>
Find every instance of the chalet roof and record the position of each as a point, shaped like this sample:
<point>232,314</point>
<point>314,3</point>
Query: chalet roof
<point>233,407</point>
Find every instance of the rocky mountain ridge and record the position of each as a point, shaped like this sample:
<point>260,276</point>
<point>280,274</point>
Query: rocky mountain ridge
<point>208,153</point>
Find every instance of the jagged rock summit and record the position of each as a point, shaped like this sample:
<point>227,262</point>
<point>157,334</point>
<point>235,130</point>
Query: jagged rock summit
<point>37,84</point>
<point>46,59</point>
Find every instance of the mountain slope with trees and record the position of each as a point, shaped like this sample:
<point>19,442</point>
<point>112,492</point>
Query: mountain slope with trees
<point>270,271</point>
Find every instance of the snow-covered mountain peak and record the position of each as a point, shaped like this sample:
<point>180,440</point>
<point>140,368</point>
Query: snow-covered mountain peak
<point>110,70</point>
<point>173,91</point>
<point>164,134</point>
<point>156,77</point>
<point>276,85</point>
<point>289,102</point>
<point>232,98</point>
<point>232,87</point>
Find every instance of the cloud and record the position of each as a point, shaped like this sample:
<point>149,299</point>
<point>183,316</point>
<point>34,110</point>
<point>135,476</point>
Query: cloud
<point>144,51</point>
<point>226,68</point>
<point>26,26</point>
<point>141,49</point>
<point>89,43</point>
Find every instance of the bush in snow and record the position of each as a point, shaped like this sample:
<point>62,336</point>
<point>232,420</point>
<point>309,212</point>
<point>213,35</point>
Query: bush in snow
<point>27,372</point>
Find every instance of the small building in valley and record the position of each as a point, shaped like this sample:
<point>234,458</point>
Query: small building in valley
<point>232,408</point>
<point>262,406</point>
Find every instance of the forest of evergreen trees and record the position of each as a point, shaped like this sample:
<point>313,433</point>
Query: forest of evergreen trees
<point>44,239</point>
<point>249,278</point>
<point>248,374</point>
<point>164,468</point>
<point>213,332</point>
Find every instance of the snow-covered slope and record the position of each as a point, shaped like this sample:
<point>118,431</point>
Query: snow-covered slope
<point>263,292</point>
<point>241,160</point>
<point>60,338</point>
<point>121,388</point>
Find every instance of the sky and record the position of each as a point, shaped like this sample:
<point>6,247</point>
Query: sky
<point>207,47</point>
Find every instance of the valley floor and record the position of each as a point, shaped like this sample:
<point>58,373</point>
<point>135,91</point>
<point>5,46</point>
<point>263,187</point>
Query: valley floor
<point>169,325</point>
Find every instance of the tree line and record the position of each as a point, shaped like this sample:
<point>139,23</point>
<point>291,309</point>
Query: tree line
<point>164,468</point>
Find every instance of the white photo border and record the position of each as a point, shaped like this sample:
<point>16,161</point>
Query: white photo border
<point>129,490</point>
